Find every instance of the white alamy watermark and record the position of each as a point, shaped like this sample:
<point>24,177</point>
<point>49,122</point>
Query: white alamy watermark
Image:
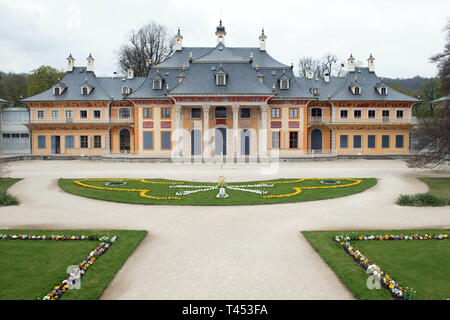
<point>73,21</point>
<point>225,146</point>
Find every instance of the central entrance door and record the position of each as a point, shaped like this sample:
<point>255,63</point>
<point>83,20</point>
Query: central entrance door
<point>220,141</point>
<point>245,142</point>
<point>124,140</point>
<point>196,142</point>
<point>56,144</point>
<point>316,140</point>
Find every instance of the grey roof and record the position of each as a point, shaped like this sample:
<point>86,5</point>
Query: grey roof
<point>260,58</point>
<point>103,87</point>
<point>241,79</point>
<point>3,101</point>
<point>221,54</point>
<point>445,98</point>
<point>296,89</point>
<point>338,89</point>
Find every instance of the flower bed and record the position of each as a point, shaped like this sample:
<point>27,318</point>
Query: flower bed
<point>76,274</point>
<point>397,291</point>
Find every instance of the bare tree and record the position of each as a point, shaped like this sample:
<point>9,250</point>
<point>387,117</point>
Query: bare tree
<point>150,45</point>
<point>327,65</point>
<point>443,62</point>
<point>432,138</point>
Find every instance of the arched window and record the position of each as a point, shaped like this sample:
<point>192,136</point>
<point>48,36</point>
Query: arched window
<point>84,91</point>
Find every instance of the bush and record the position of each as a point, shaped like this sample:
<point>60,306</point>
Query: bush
<point>421,200</point>
<point>7,200</point>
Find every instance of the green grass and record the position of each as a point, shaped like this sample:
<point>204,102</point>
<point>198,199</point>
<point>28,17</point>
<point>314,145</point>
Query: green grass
<point>422,265</point>
<point>30,269</point>
<point>208,198</point>
<point>437,195</point>
<point>5,198</point>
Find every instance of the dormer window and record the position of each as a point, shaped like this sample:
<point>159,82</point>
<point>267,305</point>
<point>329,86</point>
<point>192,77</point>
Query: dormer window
<point>284,84</point>
<point>221,80</point>
<point>86,90</point>
<point>356,90</point>
<point>384,91</point>
<point>59,89</point>
<point>284,81</point>
<point>126,90</point>
<point>157,84</point>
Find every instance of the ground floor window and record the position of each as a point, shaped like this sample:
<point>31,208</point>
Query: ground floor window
<point>165,140</point>
<point>399,141</point>
<point>371,140</point>
<point>275,140</point>
<point>293,140</point>
<point>148,140</point>
<point>385,141</point>
<point>343,141</point>
<point>83,141</point>
<point>357,141</point>
<point>15,141</point>
<point>69,142</point>
<point>97,142</point>
<point>41,142</point>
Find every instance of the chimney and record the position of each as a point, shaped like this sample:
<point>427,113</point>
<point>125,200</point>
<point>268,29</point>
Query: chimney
<point>351,63</point>
<point>115,75</point>
<point>90,65</point>
<point>371,63</point>
<point>130,73</point>
<point>70,63</point>
<point>326,77</point>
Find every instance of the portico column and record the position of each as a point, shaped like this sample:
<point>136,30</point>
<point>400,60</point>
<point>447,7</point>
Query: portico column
<point>235,108</point>
<point>206,135</point>
<point>178,136</point>
<point>263,132</point>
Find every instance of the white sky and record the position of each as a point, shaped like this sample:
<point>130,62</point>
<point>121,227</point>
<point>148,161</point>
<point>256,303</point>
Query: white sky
<point>401,34</point>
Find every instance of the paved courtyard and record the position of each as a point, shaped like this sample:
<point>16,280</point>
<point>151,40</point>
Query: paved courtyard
<point>244,252</point>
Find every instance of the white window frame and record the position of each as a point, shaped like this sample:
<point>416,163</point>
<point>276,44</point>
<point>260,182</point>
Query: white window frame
<point>340,114</point>
<point>54,112</point>
<point>396,114</point>
<point>93,114</point>
<point>37,114</point>
<point>374,117</point>
<point>224,78</point>
<point>354,111</point>
<point>71,114</point>
<point>156,84</point>
<point>87,114</point>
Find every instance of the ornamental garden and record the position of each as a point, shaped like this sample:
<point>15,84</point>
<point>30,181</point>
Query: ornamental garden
<point>222,193</point>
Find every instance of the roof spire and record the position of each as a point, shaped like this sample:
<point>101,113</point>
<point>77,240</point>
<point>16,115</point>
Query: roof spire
<point>220,33</point>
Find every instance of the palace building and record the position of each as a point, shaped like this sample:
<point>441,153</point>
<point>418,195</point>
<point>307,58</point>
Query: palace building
<point>220,102</point>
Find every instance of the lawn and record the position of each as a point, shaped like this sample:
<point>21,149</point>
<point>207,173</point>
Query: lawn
<point>419,264</point>
<point>29,269</point>
<point>437,195</point>
<point>439,187</point>
<point>5,198</point>
<point>288,190</point>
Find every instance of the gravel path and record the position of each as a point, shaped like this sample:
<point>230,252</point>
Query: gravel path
<point>245,252</point>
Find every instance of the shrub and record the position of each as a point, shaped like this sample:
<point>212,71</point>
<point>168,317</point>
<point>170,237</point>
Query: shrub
<point>7,200</point>
<point>421,200</point>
